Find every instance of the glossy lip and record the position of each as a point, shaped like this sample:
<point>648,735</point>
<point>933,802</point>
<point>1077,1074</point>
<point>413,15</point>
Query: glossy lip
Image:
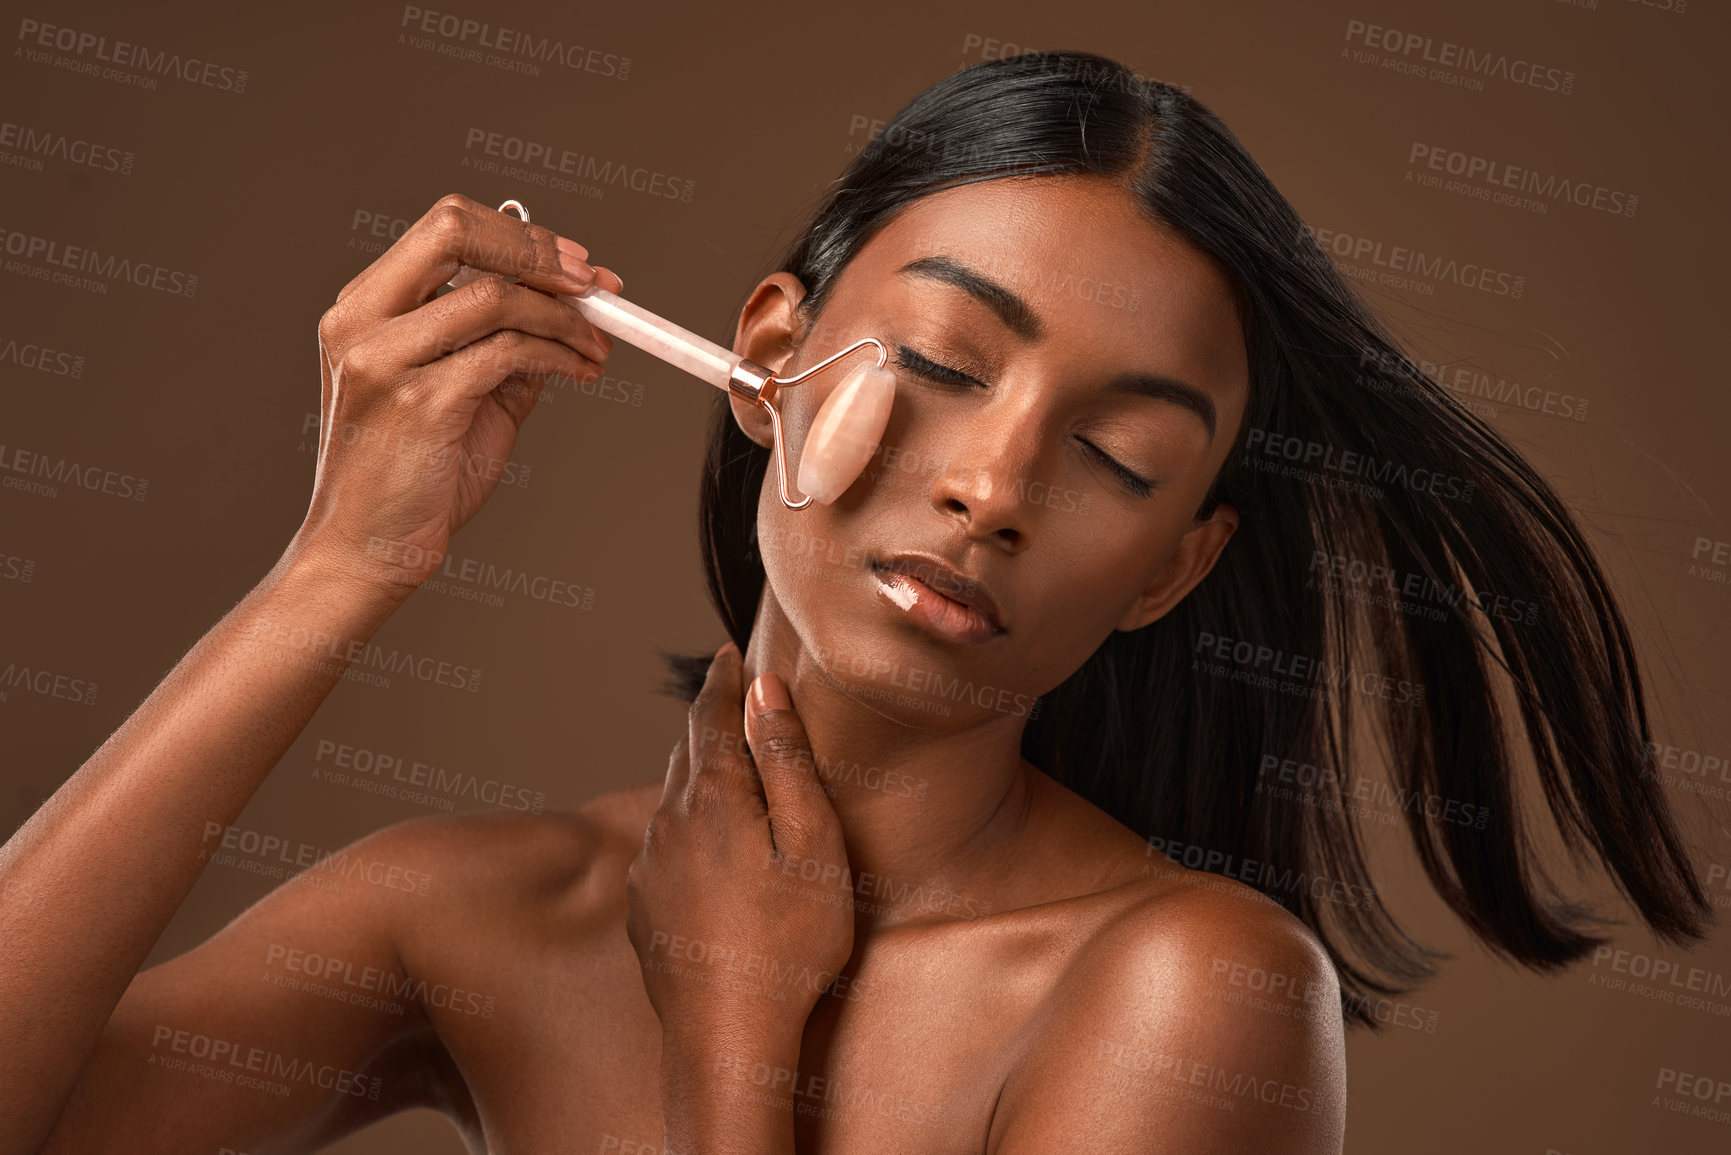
<point>945,581</point>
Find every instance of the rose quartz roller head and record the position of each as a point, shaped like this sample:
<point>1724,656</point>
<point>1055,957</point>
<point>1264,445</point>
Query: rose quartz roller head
<point>844,434</point>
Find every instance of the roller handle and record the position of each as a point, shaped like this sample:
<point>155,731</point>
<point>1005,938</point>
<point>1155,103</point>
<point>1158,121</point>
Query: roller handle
<point>657,336</point>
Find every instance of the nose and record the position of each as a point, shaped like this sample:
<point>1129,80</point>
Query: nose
<point>981,486</point>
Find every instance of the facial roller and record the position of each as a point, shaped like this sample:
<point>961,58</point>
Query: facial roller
<point>844,434</point>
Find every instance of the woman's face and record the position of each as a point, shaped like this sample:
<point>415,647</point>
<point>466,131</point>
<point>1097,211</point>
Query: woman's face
<point>1069,379</point>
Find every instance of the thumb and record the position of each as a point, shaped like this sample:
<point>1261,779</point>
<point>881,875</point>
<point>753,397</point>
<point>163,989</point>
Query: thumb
<point>801,819</point>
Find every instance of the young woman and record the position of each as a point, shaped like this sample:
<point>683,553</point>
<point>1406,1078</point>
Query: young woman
<point>1102,592</point>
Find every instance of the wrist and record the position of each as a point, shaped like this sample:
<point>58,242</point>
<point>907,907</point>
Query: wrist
<point>729,1092</point>
<point>756,1042</point>
<point>313,607</point>
<point>308,566</point>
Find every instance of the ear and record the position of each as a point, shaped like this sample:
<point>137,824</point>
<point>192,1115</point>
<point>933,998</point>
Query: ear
<point>767,327</point>
<point>1197,552</point>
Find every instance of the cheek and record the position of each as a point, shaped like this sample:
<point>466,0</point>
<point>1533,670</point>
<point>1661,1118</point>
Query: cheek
<point>781,540</point>
<point>805,553</point>
<point>1085,604</point>
<point>1089,596</point>
<point>919,445</point>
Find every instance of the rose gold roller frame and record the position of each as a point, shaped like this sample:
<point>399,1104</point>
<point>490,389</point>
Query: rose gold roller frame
<point>739,376</point>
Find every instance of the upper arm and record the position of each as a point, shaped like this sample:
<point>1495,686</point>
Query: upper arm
<point>1204,1023</point>
<point>287,1028</point>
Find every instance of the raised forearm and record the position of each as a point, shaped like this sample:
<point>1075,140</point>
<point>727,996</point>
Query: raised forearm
<point>729,1093</point>
<point>91,880</point>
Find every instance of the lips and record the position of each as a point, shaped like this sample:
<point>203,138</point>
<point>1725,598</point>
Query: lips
<point>944,580</point>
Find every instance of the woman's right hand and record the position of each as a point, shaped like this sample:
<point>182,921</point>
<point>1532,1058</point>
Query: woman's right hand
<point>423,394</point>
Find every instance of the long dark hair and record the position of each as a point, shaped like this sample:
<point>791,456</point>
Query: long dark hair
<point>1393,549</point>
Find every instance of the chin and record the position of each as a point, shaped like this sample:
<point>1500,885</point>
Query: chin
<point>892,667</point>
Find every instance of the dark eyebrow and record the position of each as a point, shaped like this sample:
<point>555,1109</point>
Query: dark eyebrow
<point>1011,309</point>
<point>1025,323</point>
<point>1170,390</point>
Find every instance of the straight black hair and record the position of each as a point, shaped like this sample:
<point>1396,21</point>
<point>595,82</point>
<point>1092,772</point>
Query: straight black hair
<point>1392,550</point>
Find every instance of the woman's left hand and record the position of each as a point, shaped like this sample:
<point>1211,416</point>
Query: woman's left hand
<point>741,898</point>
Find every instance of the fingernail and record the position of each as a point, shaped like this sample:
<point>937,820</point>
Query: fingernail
<point>768,692</point>
<point>726,646</point>
<point>573,259</point>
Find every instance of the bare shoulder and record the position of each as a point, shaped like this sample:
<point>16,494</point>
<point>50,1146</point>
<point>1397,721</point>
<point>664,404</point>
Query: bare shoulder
<point>492,854</point>
<point>1201,1016</point>
<point>1215,937</point>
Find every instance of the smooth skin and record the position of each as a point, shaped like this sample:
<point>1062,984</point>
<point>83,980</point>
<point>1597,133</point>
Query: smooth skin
<point>774,948</point>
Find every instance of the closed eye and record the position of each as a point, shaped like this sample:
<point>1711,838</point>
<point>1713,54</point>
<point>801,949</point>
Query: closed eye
<point>1134,482</point>
<point>926,367</point>
<point>943,374</point>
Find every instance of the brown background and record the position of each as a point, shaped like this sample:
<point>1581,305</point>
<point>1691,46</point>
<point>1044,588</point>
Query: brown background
<point>257,193</point>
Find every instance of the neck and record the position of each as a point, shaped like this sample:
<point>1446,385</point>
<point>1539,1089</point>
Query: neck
<point>933,816</point>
